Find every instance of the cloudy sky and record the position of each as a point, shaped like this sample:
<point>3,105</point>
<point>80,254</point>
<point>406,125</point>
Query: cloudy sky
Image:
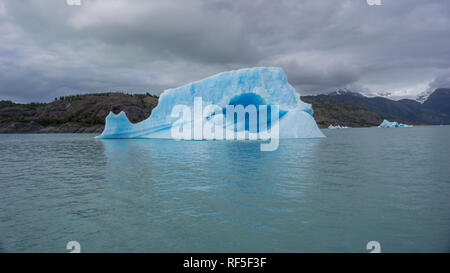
<point>49,48</point>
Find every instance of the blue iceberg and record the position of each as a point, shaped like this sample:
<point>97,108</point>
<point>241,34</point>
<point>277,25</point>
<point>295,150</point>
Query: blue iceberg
<point>393,124</point>
<point>251,86</point>
<point>337,127</point>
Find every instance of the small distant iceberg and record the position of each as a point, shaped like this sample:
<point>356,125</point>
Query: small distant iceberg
<point>393,124</point>
<point>337,127</point>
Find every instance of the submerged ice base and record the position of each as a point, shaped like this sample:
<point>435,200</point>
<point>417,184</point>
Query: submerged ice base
<point>265,86</point>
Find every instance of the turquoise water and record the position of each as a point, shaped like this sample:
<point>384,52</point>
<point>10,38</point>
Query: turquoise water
<point>323,195</point>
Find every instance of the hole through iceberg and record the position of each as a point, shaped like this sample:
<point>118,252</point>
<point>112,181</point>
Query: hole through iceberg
<point>245,100</point>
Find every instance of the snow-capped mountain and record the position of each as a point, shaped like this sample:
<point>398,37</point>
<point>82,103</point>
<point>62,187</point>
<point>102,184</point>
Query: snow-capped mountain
<point>431,108</point>
<point>422,97</point>
<point>346,92</point>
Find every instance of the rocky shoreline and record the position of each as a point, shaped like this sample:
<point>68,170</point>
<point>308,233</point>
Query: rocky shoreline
<point>35,128</point>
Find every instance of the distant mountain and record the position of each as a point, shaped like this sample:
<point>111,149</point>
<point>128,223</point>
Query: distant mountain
<point>439,101</point>
<point>86,113</point>
<point>435,110</point>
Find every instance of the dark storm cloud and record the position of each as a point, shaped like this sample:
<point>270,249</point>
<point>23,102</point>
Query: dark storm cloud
<point>48,48</point>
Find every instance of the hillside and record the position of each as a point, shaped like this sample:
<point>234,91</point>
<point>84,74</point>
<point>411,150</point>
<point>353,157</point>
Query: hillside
<point>328,112</point>
<point>73,114</point>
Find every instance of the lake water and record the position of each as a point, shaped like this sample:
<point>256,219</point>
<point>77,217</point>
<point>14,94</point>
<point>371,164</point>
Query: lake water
<point>322,195</point>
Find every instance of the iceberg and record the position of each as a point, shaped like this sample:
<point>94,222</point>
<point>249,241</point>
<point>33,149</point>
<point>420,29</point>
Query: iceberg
<point>337,127</point>
<point>260,86</point>
<point>393,124</point>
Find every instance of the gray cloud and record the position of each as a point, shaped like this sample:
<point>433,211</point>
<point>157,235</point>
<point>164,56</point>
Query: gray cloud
<point>441,81</point>
<point>49,49</point>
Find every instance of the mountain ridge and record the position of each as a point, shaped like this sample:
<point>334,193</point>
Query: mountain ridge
<point>435,110</point>
<point>86,113</point>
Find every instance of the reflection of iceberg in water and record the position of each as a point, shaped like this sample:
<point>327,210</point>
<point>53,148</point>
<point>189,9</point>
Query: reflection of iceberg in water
<point>166,179</point>
<point>393,124</point>
<point>254,86</point>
